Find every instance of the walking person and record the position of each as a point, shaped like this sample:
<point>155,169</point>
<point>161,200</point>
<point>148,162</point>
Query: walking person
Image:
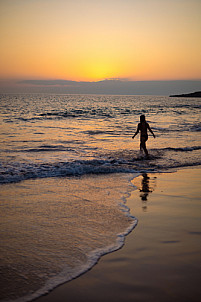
<point>142,128</point>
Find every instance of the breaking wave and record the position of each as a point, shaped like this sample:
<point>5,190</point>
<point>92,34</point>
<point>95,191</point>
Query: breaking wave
<point>127,161</point>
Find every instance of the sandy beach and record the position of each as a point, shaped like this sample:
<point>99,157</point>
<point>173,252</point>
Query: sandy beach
<point>160,260</point>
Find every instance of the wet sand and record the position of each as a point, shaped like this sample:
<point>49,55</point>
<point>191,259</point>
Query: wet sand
<point>161,258</point>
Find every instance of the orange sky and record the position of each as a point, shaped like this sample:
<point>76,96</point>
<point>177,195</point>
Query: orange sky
<point>89,40</point>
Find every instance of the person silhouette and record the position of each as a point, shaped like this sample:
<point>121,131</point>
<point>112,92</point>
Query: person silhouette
<point>142,128</point>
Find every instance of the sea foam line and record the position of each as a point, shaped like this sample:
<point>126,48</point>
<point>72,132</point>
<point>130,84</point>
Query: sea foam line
<point>93,258</point>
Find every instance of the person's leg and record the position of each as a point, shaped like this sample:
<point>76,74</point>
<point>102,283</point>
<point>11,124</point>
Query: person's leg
<point>143,145</point>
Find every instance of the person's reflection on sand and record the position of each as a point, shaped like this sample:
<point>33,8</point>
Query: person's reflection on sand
<point>146,186</point>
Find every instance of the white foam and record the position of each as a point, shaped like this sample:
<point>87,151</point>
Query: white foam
<point>68,274</point>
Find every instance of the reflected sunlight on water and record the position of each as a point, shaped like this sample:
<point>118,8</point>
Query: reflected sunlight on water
<point>65,166</point>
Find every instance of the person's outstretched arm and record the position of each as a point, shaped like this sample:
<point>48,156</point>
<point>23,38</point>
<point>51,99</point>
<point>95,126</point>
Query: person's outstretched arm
<point>137,131</point>
<point>151,131</point>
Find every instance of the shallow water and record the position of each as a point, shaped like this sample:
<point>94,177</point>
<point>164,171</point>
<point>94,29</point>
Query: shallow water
<point>56,228</point>
<point>65,166</point>
<point>59,135</point>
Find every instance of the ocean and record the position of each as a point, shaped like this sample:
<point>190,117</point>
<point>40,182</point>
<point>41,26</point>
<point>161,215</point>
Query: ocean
<point>66,162</point>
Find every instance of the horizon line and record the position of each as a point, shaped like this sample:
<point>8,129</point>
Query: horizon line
<point>62,82</point>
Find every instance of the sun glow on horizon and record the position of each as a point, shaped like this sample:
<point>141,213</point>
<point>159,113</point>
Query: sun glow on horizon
<point>97,40</point>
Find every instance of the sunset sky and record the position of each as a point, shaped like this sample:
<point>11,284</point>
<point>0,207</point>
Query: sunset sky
<point>91,40</point>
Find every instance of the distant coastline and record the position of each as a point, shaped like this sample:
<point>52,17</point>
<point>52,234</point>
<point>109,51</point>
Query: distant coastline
<point>104,87</point>
<point>196,94</point>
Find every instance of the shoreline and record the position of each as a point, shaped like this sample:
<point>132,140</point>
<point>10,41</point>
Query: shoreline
<point>160,260</point>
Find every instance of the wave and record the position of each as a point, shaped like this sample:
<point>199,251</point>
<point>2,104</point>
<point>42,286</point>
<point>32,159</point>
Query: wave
<point>85,112</point>
<point>46,148</point>
<point>185,149</point>
<point>195,127</point>
<point>97,132</point>
<point>182,127</point>
<point>190,106</point>
<point>21,171</point>
<point>67,274</point>
<point>93,112</point>
<point>127,161</point>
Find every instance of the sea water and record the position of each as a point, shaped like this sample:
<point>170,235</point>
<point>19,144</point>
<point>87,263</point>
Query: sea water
<point>65,166</point>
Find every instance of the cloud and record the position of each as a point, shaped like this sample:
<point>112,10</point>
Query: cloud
<point>48,82</point>
<point>114,86</point>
